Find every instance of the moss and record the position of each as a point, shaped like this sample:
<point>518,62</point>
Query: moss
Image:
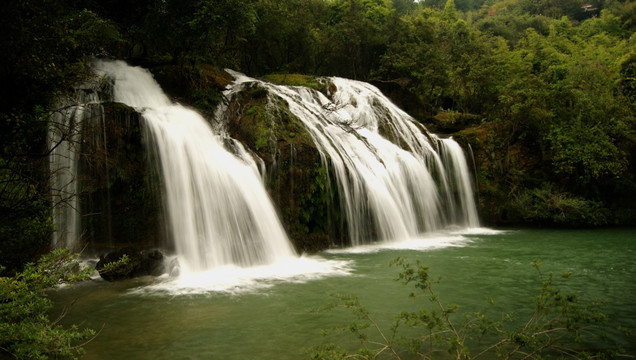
<point>118,183</point>
<point>214,77</point>
<point>452,121</point>
<point>206,101</point>
<point>296,178</point>
<point>257,92</point>
<point>308,81</point>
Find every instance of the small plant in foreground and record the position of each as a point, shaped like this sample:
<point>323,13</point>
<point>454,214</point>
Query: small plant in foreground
<point>25,329</point>
<point>561,327</point>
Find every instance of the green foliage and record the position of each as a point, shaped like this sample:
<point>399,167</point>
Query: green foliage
<point>25,329</point>
<point>116,268</point>
<point>549,207</point>
<point>295,80</point>
<point>196,31</point>
<point>561,325</point>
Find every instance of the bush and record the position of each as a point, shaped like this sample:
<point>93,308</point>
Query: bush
<point>25,329</point>
<point>549,207</point>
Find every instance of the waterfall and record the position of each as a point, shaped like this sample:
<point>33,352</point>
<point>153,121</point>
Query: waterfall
<point>64,149</point>
<point>393,181</point>
<point>216,206</point>
<point>457,169</point>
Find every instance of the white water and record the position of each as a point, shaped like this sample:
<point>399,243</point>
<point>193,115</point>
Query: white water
<point>64,146</point>
<point>387,191</point>
<point>218,212</point>
<point>235,279</point>
<point>457,170</point>
<point>222,223</point>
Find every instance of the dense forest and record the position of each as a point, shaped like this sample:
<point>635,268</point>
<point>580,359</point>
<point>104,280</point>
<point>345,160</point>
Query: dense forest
<point>542,91</point>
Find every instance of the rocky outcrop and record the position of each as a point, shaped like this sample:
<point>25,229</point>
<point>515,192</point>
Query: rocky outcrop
<point>398,91</point>
<point>120,196</point>
<point>295,175</point>
<point>131,262</point>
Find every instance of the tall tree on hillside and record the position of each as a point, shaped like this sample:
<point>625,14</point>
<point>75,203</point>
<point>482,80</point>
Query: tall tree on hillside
<point>450,12</point>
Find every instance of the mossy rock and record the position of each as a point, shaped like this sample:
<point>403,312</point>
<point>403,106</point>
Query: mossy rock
<point>308,81</point>
<point>141,262</point>
<point>214,77</point>
<point>200,87</point>
<point>452,121</point>
<point>118,187</point>
<point>296,178</point>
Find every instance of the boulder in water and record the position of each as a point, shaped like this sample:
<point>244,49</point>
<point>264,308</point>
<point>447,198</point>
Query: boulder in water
<point>141,262</point>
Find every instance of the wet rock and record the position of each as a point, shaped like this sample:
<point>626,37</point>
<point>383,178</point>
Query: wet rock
<point>140,262</point>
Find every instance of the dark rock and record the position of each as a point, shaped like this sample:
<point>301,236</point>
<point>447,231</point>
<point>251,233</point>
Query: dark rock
<point>298,181</point>
<point>152,263</point>
<point>120,194</point>
<point>398,91</point>
<point>141,262</point>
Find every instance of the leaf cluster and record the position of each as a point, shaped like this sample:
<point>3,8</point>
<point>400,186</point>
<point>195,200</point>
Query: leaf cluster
<point>26,332</point>
<point>119,267</point>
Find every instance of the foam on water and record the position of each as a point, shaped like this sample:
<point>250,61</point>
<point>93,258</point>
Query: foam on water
<point>233,279</point>
<point>423,242</point>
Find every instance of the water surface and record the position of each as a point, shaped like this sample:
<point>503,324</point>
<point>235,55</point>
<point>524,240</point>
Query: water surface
<point>272,318</point>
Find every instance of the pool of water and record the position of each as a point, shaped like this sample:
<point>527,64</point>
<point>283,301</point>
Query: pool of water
<point>271,317</point>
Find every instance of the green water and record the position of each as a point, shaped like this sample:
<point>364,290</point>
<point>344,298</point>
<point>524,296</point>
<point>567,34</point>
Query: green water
<point>276,322</point>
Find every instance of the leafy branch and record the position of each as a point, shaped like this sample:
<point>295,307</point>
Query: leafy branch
<point>25,329</point>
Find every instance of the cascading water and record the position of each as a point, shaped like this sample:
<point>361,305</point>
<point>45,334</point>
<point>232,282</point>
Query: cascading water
<point>393,183</point>
<point>64,143</point>
<point>217,209</point>
<point>459,175</point>
<point>394,180</point>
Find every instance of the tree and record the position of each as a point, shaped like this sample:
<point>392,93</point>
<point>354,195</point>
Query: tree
<point>187,33</point>
<point>404,6</point>
<point>450,12</point>
<point>357,36</point>
<point>288,37</point>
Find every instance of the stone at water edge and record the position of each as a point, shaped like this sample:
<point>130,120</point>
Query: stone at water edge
<point>142,262</point>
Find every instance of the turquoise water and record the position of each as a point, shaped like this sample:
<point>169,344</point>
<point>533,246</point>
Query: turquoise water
<point>276,322</point>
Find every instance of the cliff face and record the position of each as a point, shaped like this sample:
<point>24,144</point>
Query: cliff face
<point>120,187</point>
<point>294,173</point>
<point>119,190</point>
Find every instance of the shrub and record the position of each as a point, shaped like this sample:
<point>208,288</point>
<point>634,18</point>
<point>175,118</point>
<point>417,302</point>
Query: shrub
<point>26,332</point>
<point>549,207</point>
